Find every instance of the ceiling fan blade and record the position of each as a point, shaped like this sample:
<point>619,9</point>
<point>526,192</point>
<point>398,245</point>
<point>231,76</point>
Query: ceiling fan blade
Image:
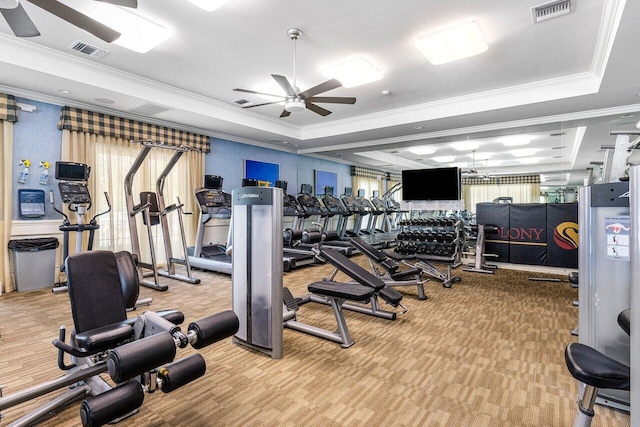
<point>264,103</point>
<point>285,113</point>
<point>284,84</point>
<point>19,22</point>
<point>322,87</point>
<point>317,109</point>
<point>258,93</point>
<point>76,18</point>
<point>332,99</point>
<point>127,3</point>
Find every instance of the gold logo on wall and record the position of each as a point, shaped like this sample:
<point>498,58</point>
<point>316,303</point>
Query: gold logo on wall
<point>566,235</point>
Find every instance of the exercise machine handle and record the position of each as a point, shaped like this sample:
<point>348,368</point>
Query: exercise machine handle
<point>106,196</point>
<point>53,205</point>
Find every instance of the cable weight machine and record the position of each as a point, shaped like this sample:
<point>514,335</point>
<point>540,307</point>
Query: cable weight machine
<point>154,211</point>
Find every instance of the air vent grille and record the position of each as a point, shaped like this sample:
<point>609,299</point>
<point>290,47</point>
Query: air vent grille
<point>87,49</point>
<point>148,109</point>
<point>241,101</point>
<point>551,10</point>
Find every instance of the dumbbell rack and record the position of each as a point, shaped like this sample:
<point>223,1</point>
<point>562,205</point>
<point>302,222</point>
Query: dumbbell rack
<point>432,239</point>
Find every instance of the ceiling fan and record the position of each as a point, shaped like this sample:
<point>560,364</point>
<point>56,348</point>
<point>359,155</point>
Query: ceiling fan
<point>296,100</point>
<point>22,26</point>
<point>473,172</point>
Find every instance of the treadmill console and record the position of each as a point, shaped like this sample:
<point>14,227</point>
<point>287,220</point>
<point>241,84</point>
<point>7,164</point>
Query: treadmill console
<point>352,204</point>
<point>291,206</point>
<point>213,201</point>
<point>334,205</point>
<point>74,192</point>
<point>311,205</point>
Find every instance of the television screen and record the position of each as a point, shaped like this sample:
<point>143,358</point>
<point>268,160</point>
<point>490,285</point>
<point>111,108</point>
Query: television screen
<point>375,193</point>
<point>361,192</point>
<point>213,182</point>
<point>306,189</point>
<point>282,184</point>
<point>432,184</point>
<point>325,179</point>
<point>327,190</point>
<point>69,171</point>
<point>348,191</point>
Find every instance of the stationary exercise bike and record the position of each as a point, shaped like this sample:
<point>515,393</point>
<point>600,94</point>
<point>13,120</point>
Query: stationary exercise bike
<point>73,189</point>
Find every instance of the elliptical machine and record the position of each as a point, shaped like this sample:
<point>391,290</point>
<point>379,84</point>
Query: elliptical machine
<point>73,189</point>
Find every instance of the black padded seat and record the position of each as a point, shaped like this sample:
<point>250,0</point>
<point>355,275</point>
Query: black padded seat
<point>624,320</point>
<point>400,275</point>
<point>593,368</point>
<point>348,291</point>
<point>573,277</point>
<point>104,337</point>
<point>352,269</point>
<point>390,296</point>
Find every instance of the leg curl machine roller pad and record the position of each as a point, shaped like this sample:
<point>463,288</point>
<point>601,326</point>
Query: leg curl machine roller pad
<point>137,357</point>
<point>115,403</point>
<point>214,328</point>
<point>182,372</point>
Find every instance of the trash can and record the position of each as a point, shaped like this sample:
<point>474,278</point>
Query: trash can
<point>34,262</point>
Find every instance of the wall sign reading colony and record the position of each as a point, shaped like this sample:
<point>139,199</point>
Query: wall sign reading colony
<point>535,234</point>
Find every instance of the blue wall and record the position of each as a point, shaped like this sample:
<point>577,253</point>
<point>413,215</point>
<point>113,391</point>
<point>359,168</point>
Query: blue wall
<point>37,138</point>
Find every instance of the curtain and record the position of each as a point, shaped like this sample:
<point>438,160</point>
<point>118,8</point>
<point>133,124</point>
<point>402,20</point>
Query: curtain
<point>6,153</point>
<point>111,159</point>
<point>366,184</point>
<point>521,193</point>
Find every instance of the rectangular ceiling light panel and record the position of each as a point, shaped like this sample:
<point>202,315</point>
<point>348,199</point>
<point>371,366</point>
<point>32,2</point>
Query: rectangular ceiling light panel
<point>138,34</point>
<point>452,43</point>
<point>354,72</point>
<point>209,5</point>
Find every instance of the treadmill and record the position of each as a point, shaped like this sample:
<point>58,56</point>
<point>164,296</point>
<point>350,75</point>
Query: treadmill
<point>312,207</point>
<point>298,255</point>
<point>214,203</point>
<point>354,206</point>
<point>375,210</point>
<point>335,207</point>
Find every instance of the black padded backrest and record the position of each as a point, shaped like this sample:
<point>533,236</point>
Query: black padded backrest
<point>352,269</point>
<point>368,250</point>
<point>129,281</point>
<point>154,210</point>
<point>94,290</point>
<point>624,320</point>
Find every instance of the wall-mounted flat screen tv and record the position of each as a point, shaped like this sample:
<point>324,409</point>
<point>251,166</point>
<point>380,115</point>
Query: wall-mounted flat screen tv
<point>432,184</point>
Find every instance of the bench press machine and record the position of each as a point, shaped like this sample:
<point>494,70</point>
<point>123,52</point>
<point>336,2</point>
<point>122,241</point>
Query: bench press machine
<point>101,288</point>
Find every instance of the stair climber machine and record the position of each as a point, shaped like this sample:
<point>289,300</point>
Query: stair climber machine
<point>298,254</point>
<point>214,204</point>
<point>313,208</point>
<point>154,211</point>
<point>73,189</point>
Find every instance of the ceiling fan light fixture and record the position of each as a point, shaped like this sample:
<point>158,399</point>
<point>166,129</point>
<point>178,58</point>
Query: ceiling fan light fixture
<point>453,43</point>
<point>137,33</point>
<point>209,5</point>
<point>354,72</point>
<point>294,105</point>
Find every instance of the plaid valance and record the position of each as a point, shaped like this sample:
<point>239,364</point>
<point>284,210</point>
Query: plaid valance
<point>503,180</point>
<point>394,176</point>
<point>8,108</point>
<point>79,120</point>
<point>366,172</point>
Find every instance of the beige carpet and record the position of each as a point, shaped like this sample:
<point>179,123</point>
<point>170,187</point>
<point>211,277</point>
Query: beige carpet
<point>487,352</point>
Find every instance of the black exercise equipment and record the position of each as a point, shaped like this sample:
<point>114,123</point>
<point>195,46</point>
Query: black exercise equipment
<point>596,370</point>
<point>104,340</point>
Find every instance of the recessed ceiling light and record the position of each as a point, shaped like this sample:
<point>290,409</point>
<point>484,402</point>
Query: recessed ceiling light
<point>452,43</point>
<point>444,159</point>
<point>137,33</point>
<point>354,72</point>
<point>422,149</point>
<point>386,92</point>
<point>104,100</point>
<point>64,90</point>
<point>523,152</point>
<point>209,5</point>
<point>515,140</point>
<point>418,127</point>
<point>529,160</point>
<point>465,145</point>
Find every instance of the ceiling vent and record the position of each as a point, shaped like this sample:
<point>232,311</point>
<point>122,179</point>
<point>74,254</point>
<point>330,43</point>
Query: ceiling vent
<point>241,101</point>
<point>552,9</point>
<point>87,49</point>
<point>148,109</point>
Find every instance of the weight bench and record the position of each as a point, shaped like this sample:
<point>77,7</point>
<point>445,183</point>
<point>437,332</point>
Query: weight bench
<point>596,370</point>
<point>391,276</point>
<point>130,350</point>
<point>362,277</point>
